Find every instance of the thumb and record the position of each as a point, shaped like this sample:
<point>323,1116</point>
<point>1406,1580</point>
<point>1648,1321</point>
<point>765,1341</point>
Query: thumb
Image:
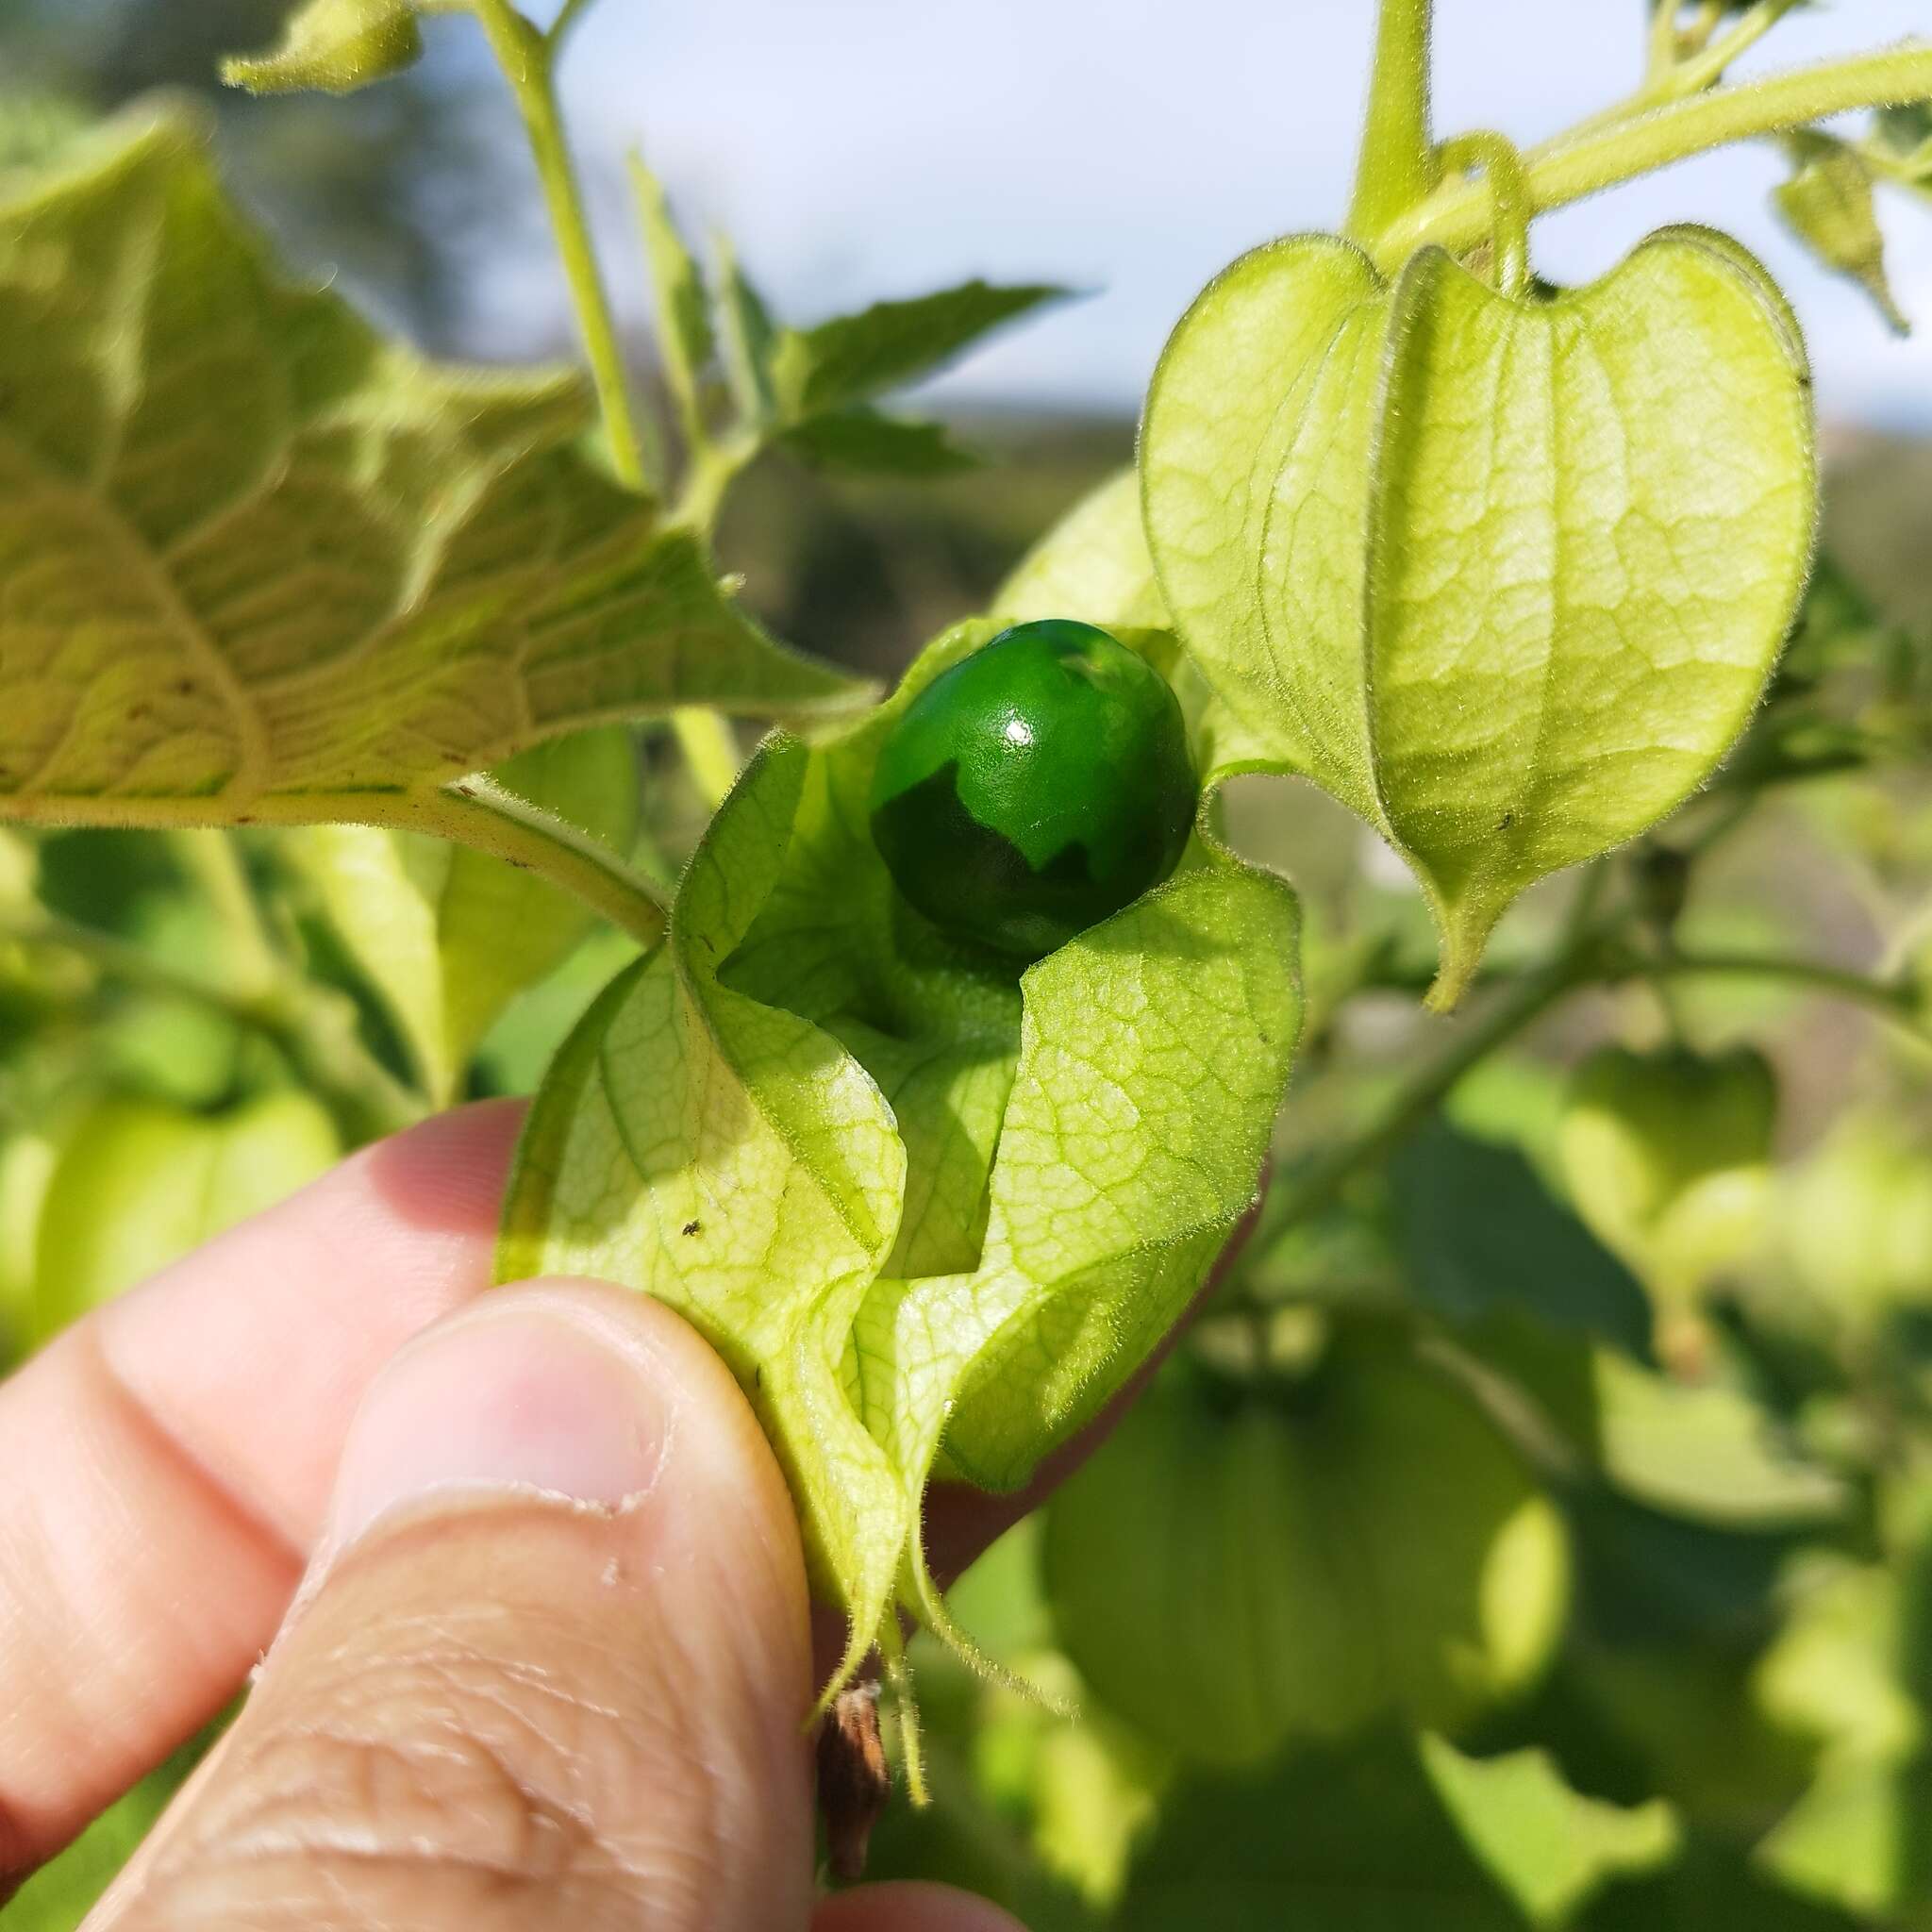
<point>550,1666</point>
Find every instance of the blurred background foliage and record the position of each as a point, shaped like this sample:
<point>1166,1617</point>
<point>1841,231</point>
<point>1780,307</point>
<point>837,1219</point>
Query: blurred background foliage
<point>1538,1536</point>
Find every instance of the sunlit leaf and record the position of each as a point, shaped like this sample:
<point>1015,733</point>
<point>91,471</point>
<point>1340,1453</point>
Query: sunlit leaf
<point>1829,204</point>
<point>1094,565</point>
<point>334,46</point>
<point>856,357</point>
<point>1550,1848</point>
<point>864,442</point>
<point>257,559</point>
<point>1668,1157</point>
<point>1707,1453</point>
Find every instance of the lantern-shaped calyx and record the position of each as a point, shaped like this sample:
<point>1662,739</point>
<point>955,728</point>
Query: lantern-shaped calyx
<point>1505,569</point>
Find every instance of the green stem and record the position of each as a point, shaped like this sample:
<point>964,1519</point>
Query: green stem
<point>710,476</point>
<point>1585,163</point>
<point>1662,55</point>
<point>1397,167</point>
<point>1706,69</point>
<point>473,811</point>
<point>314,1029</point>
<point>1510,210</point>
<point>1297,1197</point>
<point>210,861</point>
<point>526,58</point>
<point>1895,1001</point>
<point>478,812</point>
<point>569,16</point>
<point>710,751</point>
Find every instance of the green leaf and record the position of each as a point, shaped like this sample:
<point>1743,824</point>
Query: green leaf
<point>1707,1453</point>
<point>1907,133</point>
<point>1857,1221</point>
<point>882,1176</point>
<point>1668,1157</point>
<point>1828,205</point>
<point>684,316</point>
<point>856,357</point>
<point>1348,1840</point>
<point>1834,1672</point>
<point>864,442</point>
<point>449,937</point>
<point>749,337</point>
<point>139,1183</point>
<point>264,564</point>
<point>1551,1849</point>
<point>1481,1234</point>
<point>1505,577</point>
<point>1857,1839</point>
<point>1229,1574</point>
<point>335,45</point>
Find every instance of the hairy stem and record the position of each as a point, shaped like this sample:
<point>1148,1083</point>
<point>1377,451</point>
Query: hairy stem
<point>526,58</point>
<point>1662,53</point>
<point>1456,217</point>
<point>1297,1197</point>
<point>710,751</point>
<point>569,15</point>
<point>1397,167</point>
<point>210,861</point>
<point>1510,210</point>
<point>474,811</point>
<point>479,813</point>
<point>1889,999</point>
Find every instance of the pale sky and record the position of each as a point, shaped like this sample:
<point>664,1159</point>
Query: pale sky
<point>859,148</point>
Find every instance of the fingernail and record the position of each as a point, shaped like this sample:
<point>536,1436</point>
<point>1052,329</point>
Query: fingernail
<point>512,1396</point>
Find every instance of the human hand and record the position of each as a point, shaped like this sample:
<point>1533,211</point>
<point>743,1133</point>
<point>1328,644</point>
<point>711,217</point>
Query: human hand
<point>548,1659</point>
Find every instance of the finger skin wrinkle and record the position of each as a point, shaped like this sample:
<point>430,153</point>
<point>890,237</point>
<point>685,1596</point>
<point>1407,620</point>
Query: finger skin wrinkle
<point>113,1654</point>
<point>483,1719</point>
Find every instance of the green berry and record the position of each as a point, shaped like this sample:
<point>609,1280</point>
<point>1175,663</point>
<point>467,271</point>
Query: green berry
<point>1035,788</point>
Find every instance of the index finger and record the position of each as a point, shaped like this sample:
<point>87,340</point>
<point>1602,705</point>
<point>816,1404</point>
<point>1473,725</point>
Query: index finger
<point>170,1458</point>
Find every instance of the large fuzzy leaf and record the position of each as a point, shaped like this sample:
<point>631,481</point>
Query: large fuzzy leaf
<point>253,552</point>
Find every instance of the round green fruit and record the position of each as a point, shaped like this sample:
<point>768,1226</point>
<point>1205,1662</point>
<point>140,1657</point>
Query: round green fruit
<point>1034,788</point>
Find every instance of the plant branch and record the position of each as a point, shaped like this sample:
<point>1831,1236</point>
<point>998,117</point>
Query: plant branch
<point>1891,999</point>
<point>526,58</point>
<point>569,15</point>
<point>473,811</point>
<point>1297,1197</point>
<point>1397,167</point>
<point>480,813</point>
<point>1456,217</point>
<point>210,858</point>
<point>1709,66</point>
<point>314,1029</point>
<point>1661,55</point>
